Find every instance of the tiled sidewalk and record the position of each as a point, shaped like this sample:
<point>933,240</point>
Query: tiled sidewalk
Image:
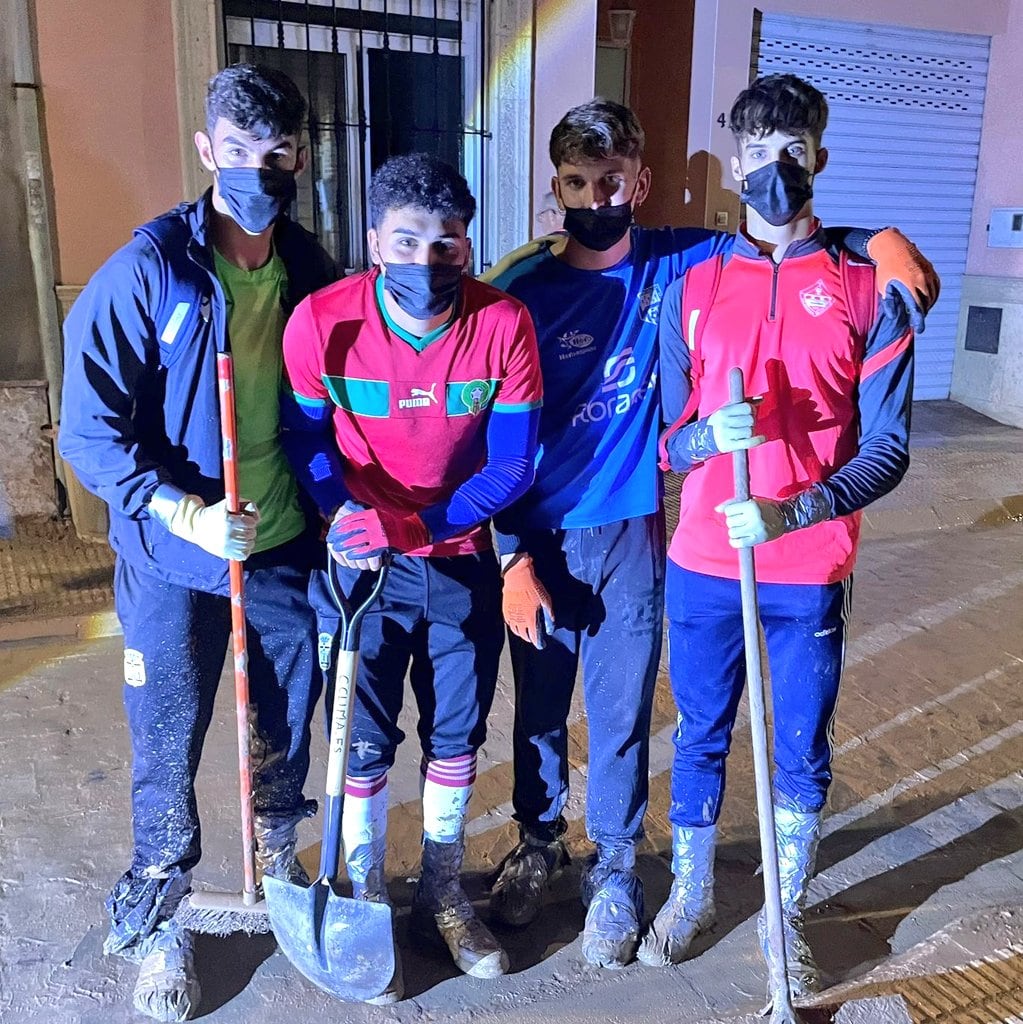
<point>53,584</point>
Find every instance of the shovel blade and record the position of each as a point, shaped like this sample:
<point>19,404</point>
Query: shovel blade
<point>344,946</point>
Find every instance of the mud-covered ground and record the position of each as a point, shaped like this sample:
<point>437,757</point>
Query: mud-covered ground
<point>925,820</point>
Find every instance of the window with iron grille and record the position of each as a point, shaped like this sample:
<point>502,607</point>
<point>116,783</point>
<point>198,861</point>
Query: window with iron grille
<point>382,77</point>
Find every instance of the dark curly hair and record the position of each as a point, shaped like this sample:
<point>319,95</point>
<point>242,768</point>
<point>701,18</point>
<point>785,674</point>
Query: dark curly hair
<point>782,103</point>
<point>424,182</point>
<point>595,131</point>
<point>258,99</point>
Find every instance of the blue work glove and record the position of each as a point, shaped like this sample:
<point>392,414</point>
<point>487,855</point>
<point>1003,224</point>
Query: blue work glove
<point>359,536</point>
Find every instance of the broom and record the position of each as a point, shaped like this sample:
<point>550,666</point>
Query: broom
<point>205,910</point>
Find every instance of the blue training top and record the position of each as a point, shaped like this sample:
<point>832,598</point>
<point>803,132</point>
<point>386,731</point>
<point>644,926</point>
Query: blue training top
<point>597,334</point>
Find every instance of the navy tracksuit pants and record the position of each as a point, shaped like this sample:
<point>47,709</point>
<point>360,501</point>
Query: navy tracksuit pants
<point>175,642</point>
<point>607,587</point>
<point>439,621</point>
<point>804,630</point>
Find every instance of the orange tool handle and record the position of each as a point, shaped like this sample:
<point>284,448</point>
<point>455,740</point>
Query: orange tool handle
<point>229,432</point>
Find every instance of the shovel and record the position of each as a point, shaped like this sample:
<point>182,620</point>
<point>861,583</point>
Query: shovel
<point>782,1011</point>
<point>344,945</point>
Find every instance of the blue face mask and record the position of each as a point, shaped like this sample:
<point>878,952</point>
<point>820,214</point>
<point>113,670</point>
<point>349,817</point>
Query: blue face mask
<point>256,196</point>
<point>777,191</point>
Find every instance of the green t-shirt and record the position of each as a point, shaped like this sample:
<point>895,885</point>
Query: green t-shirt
<point>255,325</point>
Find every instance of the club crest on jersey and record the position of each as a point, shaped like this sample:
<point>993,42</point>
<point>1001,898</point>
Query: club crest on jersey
<point>650,304</point>
<point>574,343</point>
<point>419,398</point>
<point>475,396</point>
<point>324,649</point>
<point>816,299</point>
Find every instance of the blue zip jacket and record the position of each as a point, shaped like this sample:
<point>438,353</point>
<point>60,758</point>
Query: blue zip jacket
<point>139,406</point>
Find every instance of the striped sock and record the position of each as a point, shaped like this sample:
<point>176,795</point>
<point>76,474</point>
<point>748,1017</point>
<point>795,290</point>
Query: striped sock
<point>447,786</point>
<point>364,825</point>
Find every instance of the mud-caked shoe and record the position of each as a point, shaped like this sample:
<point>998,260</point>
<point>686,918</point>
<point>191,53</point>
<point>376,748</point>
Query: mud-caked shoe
<point>797,834</point>
<point>803,973</point>
<point>524,877</point>
<point>277,848</point>
<point>167,988</point>
<point>441,909</point>
<point>611,931</point>
<point>689,908</point>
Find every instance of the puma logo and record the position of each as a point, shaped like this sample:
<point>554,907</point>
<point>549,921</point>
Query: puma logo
<point>419,398</point>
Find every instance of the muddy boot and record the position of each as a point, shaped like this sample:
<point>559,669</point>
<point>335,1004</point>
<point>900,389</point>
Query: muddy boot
<point>440,907</point>
<point>798,833</point>
<point>613,894</point>
<point>689,907</point>
<point>525,875</point>
<point>366,870</point>
<point>277,848</point>
<point>167,988</point>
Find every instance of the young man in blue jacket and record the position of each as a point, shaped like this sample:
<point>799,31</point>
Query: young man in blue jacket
<point>140,426</point>
<point>584,547</point>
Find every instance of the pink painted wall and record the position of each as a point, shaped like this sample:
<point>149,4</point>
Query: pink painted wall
<point>1000,174</point>
<point>110,120</point>
<point>721,52</point>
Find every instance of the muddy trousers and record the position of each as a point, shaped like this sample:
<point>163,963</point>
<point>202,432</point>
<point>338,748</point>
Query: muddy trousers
<point>175,642</point>
<point>607,587</point>
<point>804,629</point>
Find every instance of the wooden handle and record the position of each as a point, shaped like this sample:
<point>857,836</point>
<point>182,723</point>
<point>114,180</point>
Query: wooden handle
<point>740,458</point>
<point>780,992</point>
<point>239,639</point>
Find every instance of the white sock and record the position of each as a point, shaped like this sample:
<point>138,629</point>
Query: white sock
<point>364,824</point>
<point>447,786</point>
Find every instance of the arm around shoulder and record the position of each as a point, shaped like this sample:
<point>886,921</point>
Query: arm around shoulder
<point>884,403</point>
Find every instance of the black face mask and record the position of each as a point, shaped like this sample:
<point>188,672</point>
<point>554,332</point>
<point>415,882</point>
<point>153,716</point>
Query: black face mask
<point>598,229</point>
<point>778,191</point>
<point>256,196</point>
<point>423,292</point>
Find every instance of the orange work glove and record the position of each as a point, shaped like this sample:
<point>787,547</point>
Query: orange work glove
<point>902,269</point>
<point>526,604</point>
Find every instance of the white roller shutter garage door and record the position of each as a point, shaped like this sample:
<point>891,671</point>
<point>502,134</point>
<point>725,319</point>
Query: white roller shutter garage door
<point>903,136</point>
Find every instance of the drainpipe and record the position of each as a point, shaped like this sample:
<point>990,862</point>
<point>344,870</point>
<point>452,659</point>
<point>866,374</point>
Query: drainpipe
<point>26,100</point>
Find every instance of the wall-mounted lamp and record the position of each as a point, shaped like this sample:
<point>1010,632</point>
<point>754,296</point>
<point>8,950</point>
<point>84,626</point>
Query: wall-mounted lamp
<point>621,20</point>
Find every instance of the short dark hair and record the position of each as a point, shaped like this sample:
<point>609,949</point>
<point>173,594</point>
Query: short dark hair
<point>782,103</point>
<point>595,131</point>
<point>258,99</point>
<point>422,181</point>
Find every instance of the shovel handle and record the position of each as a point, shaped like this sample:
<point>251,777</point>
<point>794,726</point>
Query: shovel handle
<point>239,640</point>
<point>781,996</point>
<point>351,616</point>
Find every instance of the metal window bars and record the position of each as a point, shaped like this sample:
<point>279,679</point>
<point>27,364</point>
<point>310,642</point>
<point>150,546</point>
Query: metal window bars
<point>382,77</point>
